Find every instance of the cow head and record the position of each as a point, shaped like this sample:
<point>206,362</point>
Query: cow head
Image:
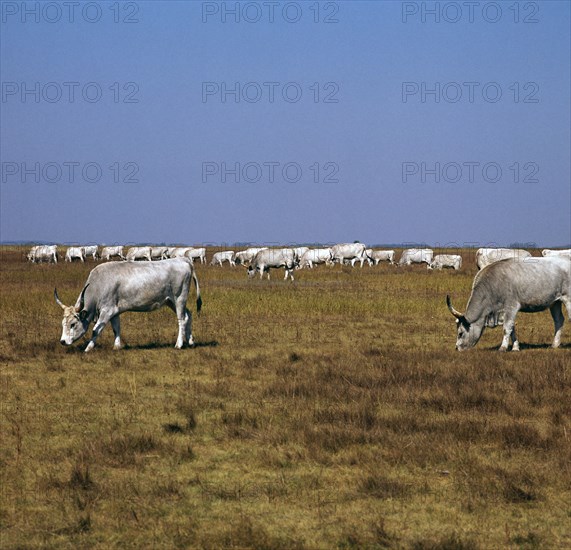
<point>468,333</point>
<point>251,271</point>
<point>75,319</point>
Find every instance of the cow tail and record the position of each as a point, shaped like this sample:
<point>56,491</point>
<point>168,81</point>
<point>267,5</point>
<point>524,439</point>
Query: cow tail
<point>198,298</point>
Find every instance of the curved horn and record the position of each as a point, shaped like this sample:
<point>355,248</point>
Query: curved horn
<point>81,299</point>
<point>454,312</point>
<point>58,301</point>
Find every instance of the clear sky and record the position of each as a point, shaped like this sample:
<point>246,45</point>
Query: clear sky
<point>119,123</point>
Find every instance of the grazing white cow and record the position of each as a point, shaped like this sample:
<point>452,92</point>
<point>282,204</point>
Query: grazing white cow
<point>74,252</point>
<point>564,253</point>
<point>91,250</point>
<point>244,257</point>
<point>416,256</point>
<point>316,256</point>
<point>116,287</point>
<point>159,252</point>
<point>139,253</point>
<point>43,253</point>
<point>349,251</point>
<point>503,288</point>
<point>221,257</point>
<point>199,253</point>
<point>376,256</point>
<point>180,252</point>
<point>31,256</point>
<point>266,259</point>
<point>446,260</point>
<point>299,251</point>
<point>109,252</point>
<point>487,256</point>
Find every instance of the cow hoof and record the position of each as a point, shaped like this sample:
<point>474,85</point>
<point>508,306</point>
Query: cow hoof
<point>502,349</point>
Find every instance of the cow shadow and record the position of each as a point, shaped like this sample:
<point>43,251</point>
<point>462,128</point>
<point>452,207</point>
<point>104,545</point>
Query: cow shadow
<point>523,347</point>
<point>165,345</point>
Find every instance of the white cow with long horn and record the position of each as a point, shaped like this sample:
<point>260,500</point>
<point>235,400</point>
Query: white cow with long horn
<point>503,288</point>
<point>115,287</point>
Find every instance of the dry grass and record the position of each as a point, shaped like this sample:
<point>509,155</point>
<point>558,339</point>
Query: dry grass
<point>328,413</point>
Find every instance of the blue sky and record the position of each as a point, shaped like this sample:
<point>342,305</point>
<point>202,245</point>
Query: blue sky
<point>151,144</point>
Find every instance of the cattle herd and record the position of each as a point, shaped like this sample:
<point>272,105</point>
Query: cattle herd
<point>289,258</point>
<point>508,280</point>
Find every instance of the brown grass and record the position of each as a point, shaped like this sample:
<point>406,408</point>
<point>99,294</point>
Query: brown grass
<point>328,413</point>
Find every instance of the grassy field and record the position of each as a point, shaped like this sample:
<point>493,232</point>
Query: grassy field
<point>332,412</point>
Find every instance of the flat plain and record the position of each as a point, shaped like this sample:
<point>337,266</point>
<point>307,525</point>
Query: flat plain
<point>331,412</point>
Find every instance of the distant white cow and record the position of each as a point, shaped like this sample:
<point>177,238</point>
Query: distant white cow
<point>244,257</point>
<point>32,254</point>
<point>180,252</point>
<point>487,256</point>
<point>74,252</point>
<point>316,256</point>
<point>299,251</point>
<point>91,250</point>
<point>565,253</point>
<point>349,251</point>
<point>139,253</point>
<point>376,256</point>
<point>159,253</point>
<point>220,257</point>
<point>41,253</point>
<point>199,253</point>
<point>416,256</point>
<point>109,252</point>
<point>266,259</point>
<point>446,260</point>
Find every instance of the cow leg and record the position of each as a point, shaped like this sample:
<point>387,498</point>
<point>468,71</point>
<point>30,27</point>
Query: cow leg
<point>116,326</point>
<point>515,342</point>
<point>184,322</point>
<point>188,327</point>
<point>182,316</point>
<point>104,318</point>
<point>509,328</point>
<point>558,321</point>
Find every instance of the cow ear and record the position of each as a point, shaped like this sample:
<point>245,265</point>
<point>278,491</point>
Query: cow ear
<point>83,315</point>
